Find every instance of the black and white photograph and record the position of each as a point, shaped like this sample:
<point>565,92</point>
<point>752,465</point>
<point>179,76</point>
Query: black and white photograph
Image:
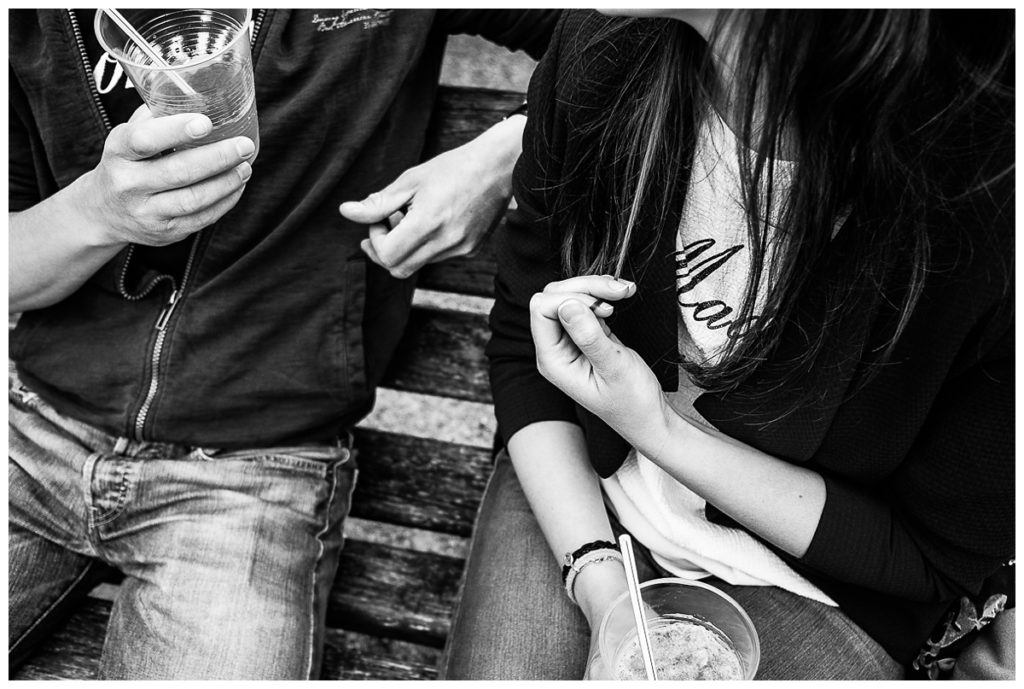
<point>514,343</point>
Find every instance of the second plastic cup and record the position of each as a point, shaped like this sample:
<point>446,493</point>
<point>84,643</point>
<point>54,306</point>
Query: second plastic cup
<point>697,632</point>
<point>206,49</point>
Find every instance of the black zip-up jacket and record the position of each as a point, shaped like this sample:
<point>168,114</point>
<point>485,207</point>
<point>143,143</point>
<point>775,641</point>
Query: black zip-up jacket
<point>918,460</point>
<point>280,328</point>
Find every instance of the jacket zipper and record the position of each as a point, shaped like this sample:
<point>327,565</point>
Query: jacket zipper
<point>158,346</point>
<point>256,24</point>
<point>77,30</point>
<point>163,320</point>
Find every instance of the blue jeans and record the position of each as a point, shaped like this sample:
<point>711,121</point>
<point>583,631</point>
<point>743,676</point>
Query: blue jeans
<point>514,620</point>
<point>228,556</point>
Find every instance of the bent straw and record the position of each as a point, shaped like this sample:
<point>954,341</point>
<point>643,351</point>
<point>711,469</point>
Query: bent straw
<point>626,546</point>
<point>149,50</point>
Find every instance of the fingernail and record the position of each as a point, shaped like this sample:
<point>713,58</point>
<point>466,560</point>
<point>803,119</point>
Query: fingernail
<point>619,286</point>
<point>601,305</point>
<point>245,171</point>
<point>197,127</point>
<point>571,310</point>
<point>245,147</point>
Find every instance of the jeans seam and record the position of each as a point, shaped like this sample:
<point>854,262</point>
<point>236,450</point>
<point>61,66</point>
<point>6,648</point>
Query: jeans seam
<point>316,571</point>
<point>50,608</point>
<point>122,498</point>
<point>87,471</point>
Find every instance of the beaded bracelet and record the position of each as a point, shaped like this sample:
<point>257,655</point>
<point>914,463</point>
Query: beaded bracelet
<point>590,558</point>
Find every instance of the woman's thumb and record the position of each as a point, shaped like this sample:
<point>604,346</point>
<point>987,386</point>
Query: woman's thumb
<point>585,330</point>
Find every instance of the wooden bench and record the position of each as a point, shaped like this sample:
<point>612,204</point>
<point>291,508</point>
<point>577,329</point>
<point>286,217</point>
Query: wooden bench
<point>416,499</point>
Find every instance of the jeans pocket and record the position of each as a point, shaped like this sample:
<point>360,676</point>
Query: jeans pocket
<point>316,460</point>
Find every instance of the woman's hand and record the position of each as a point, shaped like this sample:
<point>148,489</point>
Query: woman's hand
<point>578,353</point>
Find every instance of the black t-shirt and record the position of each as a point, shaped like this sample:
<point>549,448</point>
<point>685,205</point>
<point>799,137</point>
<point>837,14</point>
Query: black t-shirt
<point>120,100</point>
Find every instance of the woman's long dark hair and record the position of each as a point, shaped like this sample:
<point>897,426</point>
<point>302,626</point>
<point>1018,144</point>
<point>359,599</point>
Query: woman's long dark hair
<point>877,106</point>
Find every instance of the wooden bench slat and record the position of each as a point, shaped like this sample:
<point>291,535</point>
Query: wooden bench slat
<point>395,592</point>
<point>472,275</point>
<point>419,482</point>
<point>461,114</point>
<point>348,655</point>
<point>442,353</point>
<point>73,652</point>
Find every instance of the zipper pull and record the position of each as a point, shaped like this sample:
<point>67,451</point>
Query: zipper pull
<point>165,315</point>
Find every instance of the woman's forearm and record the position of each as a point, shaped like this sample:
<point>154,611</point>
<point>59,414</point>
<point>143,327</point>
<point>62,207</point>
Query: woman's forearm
<point>550,459</point>
<point>779,501</point>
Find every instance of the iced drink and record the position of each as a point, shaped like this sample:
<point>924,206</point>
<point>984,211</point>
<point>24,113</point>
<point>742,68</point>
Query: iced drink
<point>696,631</point>
<point>684,648</point>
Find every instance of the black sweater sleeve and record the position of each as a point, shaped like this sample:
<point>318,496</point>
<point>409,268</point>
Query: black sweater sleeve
<point>944,519</point>
<point>527,30</point>
<point>528,258</point>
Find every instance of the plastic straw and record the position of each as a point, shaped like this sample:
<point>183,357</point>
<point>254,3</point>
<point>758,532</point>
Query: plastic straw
<point>626,546</point>
<point>149,50</point>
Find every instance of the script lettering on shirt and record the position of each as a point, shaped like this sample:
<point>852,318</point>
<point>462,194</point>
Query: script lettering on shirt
<point>108,73</point>
<point>690,272</point>
<point>368,18</point>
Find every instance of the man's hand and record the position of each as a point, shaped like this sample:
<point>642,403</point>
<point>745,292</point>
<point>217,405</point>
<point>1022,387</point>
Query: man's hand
<point>442,208</point>
<point>136,195</point>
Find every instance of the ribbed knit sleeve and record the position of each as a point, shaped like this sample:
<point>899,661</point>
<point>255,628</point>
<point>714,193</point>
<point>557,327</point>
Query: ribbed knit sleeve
<point>945,518</point>
<point>528,259</point>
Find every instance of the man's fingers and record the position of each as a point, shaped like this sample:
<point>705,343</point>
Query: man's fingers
<point>190,166</point>
<point>380,204</point>
<point>396,246</point>
<point>367,248</point>
<point>585,329</point>
<point>145,138</point>
<point>194,198</point>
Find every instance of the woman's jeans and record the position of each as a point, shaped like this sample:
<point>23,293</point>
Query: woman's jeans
<point>228,556</point>
<point>514,620</point>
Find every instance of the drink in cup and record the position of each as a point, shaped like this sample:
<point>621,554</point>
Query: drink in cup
<point>696,632</point>
<point>208,66</point>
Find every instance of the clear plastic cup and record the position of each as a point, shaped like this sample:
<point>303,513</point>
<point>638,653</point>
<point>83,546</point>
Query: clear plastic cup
<point>693,627</point>
<point>206,49</point>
